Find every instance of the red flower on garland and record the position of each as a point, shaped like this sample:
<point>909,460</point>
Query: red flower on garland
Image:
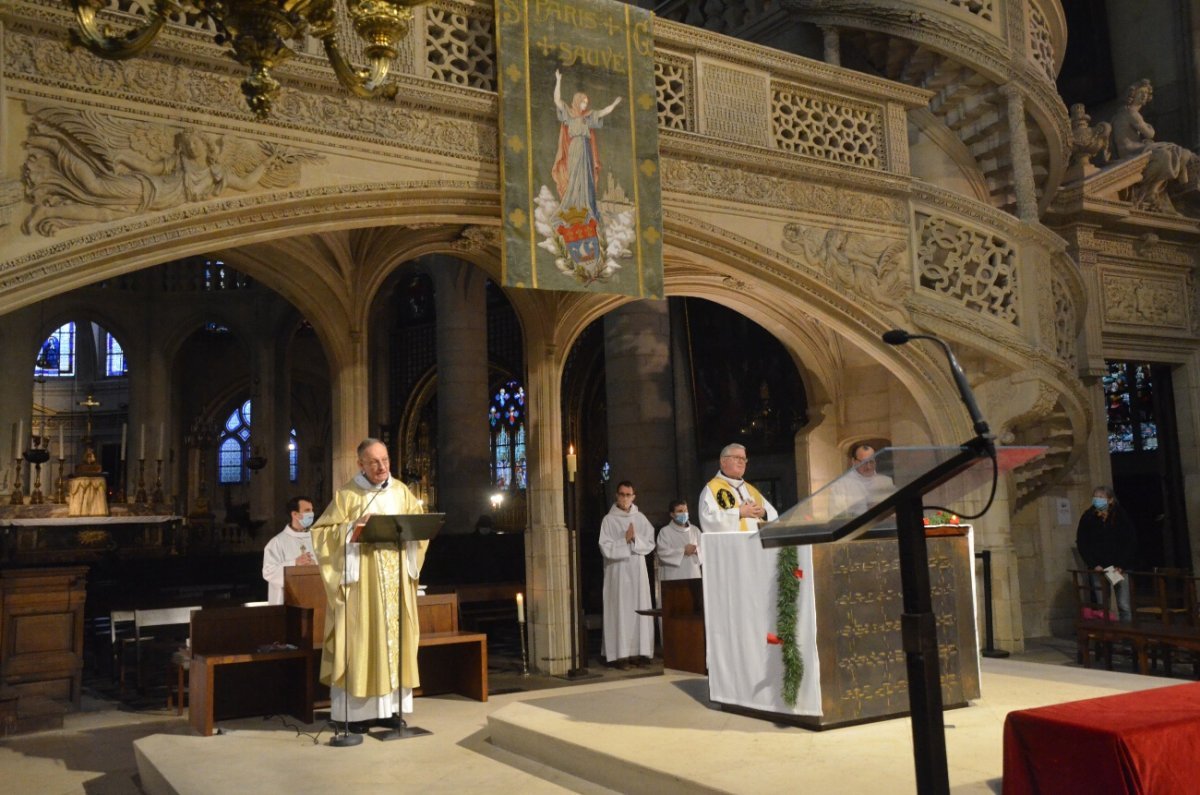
<point>773,639</point>
<point>954,520</point>
<point>925,520</point>
<point>798,574</point>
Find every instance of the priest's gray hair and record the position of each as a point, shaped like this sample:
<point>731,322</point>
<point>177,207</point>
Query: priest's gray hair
<point>730,449</point>
<point>365,443</point>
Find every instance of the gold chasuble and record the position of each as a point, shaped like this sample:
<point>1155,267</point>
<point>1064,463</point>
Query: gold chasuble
<point>727,497</point>
<point>364,621</point>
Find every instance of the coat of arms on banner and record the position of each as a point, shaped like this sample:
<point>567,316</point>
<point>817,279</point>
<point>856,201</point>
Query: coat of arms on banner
<point>582,202</point>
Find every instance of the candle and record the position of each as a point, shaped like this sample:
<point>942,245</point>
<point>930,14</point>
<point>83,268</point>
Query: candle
<point>17,443</point>
<point>123,429</point>
<point>160,440</point>
<point>571,462</point>
<point>62,454</point>
<point>521,608</point>
<point>142,448</point>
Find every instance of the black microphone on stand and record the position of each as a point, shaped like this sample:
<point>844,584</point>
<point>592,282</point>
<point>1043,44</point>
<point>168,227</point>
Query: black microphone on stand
<point>900,336</point>
<point>345,738</point>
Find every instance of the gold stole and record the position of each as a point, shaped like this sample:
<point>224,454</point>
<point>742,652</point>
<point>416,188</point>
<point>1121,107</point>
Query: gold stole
<point>727,497</point>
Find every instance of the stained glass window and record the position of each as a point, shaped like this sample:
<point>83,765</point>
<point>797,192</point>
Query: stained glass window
<point>114,357</point>
<point>234,446</point>
<point>1129,401</point>
<point>506,418</point>
<point>293,457</point>
<point>56,357</point>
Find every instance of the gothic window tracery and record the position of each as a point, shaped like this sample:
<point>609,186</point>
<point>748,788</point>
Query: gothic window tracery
<point>506,420</point>
<point>234,446</point>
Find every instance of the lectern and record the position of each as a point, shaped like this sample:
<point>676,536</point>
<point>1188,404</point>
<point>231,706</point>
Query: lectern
<point>843,510</point>
<point>400,529</point>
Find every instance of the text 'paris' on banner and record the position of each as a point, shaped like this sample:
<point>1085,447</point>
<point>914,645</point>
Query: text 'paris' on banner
<point>582,204</point>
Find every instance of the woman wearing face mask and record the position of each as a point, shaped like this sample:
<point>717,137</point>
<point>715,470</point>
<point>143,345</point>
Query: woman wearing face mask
<point>292,547</point>
<point>1106,537</point>
<point>678,546</point>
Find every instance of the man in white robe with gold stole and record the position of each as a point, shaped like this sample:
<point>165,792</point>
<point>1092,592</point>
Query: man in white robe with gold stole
<point>729,504</point>
<point>372,597</point>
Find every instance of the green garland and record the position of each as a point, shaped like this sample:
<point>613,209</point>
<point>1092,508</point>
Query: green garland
<point>785,622</point>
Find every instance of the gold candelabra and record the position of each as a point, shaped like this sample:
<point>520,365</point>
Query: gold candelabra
<point>18,495</point>
<point>140,497</point>
<point>157,496</point>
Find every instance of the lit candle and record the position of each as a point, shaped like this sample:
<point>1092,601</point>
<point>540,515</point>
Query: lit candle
<point>161,430</point>
<point>17,443</point>
<point>123,432</point>
<point>62,454</point>
<point>142,448</point>
<point>521,608</point>
<point>571,462</point>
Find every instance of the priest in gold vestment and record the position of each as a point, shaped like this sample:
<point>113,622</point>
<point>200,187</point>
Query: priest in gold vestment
<point>372,597</point>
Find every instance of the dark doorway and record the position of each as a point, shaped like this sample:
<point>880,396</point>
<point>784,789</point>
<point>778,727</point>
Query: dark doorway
<point>1143,444</point>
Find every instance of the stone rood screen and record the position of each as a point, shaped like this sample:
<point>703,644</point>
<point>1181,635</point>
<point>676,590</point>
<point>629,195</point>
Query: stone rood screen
<point>582,203</point>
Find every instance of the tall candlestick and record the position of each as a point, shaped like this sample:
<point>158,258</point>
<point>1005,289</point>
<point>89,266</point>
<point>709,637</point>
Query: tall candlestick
<point>62,450</point>
<point>571,463</point>
<point>142,448</point>
<point>18,445</point>
<point>123,431</point>
<point>521,608</point>
<point>161,431</point>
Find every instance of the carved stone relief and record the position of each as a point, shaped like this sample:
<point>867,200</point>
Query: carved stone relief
<point>1144,301</point>
<point>85,167</point>
<point>873,267</point>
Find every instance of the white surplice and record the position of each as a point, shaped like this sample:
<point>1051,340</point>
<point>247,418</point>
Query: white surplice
<point>672,563</point>
<point>626,584</point>
<point>279,553</point>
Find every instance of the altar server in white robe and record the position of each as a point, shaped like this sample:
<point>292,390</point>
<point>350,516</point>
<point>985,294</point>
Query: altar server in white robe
<point>372,597</point>
<point>678,546</point>
<point>729,504</point>
<point>292,546</point>
<point>626,538</point>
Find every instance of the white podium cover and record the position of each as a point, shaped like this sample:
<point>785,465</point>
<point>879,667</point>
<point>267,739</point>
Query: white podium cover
<point>739,611</point>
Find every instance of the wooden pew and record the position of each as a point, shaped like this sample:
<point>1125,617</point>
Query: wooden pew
<point>449,660</point>
<point>232,675</point>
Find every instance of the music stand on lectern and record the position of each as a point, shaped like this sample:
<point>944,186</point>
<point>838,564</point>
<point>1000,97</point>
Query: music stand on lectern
<point>397,529</point>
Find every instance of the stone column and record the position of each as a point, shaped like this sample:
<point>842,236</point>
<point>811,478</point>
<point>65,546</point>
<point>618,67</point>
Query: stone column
<point>348,377</point>
<point>641,414</point>
<point>688,477</point>
<point>462,392</point>
<point>547,552</point>
<point>833,45</point>
<point>264,439</point>
<point>1022,165</point>
<point>18,347</point>
<point>282,487</point>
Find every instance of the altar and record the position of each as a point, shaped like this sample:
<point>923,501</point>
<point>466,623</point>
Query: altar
<point>847,626</point>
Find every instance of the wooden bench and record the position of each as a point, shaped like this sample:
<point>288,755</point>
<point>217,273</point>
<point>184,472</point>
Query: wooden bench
<point>449,660</point>
<point>232,675</point>
<point>1165,618</point>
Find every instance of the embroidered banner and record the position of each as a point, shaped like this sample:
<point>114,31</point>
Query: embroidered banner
<point>582,204</point>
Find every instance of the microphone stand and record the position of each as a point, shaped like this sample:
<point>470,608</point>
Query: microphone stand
<point>346,738</point>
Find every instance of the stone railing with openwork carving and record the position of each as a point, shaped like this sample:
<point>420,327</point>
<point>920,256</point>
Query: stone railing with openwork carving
<point>983,271</point>
<point>706,84</point>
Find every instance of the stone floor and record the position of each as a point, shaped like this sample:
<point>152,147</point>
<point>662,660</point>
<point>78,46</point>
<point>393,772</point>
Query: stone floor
<point>610,722</point>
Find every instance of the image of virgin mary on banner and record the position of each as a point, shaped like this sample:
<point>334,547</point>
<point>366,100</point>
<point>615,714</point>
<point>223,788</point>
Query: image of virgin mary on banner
<point>581,200</point>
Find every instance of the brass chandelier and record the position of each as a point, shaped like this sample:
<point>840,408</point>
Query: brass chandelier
<point>258,32</point>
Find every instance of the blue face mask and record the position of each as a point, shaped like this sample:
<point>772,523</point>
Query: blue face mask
<point>1100,503</point>
<point>681,519</point>
<point>306,519</point>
